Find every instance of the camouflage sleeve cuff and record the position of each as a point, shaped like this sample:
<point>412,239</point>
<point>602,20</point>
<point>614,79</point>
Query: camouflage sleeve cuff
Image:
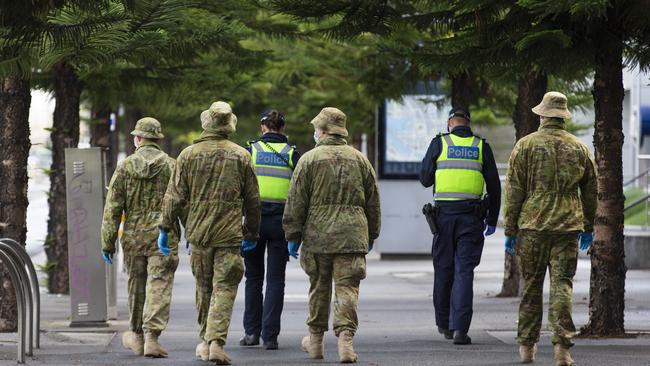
<point>510,231</point>
<point>294,237</point>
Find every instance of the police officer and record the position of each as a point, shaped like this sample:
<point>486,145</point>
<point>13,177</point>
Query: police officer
<point>551,195</point>
<point>213,184</point>
<point>459,165</point>
<point>274,160</point>
<point>136,190</point>
<point>333,211</point>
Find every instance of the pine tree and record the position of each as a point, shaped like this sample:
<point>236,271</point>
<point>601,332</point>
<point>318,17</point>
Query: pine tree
<point>23,35</point>
<point>151,42</point>
<point>608,31</point>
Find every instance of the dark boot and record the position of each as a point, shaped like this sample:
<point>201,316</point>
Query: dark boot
<point>249,340</point>
<point>446,332</point>
<point>461,338</point>
<point>271,344</point>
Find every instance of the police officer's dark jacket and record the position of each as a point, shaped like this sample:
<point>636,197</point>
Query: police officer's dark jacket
<point>490,173</point>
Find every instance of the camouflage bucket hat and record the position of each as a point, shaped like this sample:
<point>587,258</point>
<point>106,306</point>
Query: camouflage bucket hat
<point>553,104</point>
<point>332,121</point>
<point>148,128</point>
<point>219,118</point>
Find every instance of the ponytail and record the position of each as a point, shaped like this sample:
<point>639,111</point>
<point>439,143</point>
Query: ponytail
<point>273,120</point>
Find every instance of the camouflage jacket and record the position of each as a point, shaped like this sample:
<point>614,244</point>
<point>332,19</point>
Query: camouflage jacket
<point>551,183</point>
<point>137,189</point>
<point>333,203</point>
<point>213,184</point>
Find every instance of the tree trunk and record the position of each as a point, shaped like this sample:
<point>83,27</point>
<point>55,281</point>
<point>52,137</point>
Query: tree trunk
<point>531,89</point>
<point>65,133</point>
<point>15,98</point>
<point>131,116</point>
<point>461,90</point>
<point>607,288</point>
<point>102,136</point>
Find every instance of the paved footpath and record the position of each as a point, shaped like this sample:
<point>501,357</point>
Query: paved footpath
<point>395,315</point>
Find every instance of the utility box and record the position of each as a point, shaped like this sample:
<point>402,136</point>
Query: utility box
<point>405,129</point>
<point>85,192</point>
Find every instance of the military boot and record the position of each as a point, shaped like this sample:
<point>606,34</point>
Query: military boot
<point>203,351</point>
<point>217,354</point>
<point>346,351</point>
<point>151,346</point>
<point>134,342</point>
<point>562,356</point>
<point>527,353</point>
<point>313,344</point>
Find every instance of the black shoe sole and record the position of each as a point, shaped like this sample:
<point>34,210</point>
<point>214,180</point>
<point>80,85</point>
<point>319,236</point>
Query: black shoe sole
<point>271,347</point>
<point>462,342</point>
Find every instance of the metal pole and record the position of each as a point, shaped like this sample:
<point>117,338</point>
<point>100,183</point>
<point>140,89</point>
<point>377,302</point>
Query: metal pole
<point>20,302</point>
<point>35,289</point>
<point>23,279</point>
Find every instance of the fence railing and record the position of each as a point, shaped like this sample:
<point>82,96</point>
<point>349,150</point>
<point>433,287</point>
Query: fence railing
<point>23,276</point>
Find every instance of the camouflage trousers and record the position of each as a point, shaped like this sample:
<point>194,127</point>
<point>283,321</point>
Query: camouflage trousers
<point>150,291</point>
<point>218,272</point>
<point>537,251</point>
<point>347,271</point>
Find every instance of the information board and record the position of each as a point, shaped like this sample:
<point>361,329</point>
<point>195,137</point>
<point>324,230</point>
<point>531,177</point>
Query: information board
<point>406,128</point>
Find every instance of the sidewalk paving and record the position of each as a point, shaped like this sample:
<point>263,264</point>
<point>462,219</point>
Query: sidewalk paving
<point>396,323</point>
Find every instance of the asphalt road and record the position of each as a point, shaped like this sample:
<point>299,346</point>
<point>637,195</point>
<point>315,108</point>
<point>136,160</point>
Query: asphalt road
<point>395,315</point>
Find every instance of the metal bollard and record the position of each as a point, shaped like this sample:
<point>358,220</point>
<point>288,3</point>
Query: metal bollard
<point>24,282</point>
<point>35,290</point>
<point>23,279</point>
<point>20,299</point>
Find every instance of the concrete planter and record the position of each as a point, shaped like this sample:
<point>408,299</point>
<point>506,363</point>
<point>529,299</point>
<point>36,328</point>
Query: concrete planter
<point>637,248</point>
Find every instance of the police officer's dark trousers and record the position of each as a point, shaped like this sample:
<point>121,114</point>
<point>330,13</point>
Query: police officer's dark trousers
<point>263,312</point>
<point>456,252</point>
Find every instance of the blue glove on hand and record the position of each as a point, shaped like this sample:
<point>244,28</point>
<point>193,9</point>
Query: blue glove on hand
<point>586,239</point>
<point>246,247</point>
<point>511,242</point>
<point>107,256</point>
<point>490,230</point>
<point>163,242</point>
<point>293,248</point>
<point>370,247</point>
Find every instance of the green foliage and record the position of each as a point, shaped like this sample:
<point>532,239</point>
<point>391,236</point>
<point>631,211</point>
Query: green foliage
<point>637,215</point>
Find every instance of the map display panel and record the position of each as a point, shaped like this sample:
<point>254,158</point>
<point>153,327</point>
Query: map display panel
<point>410,125</point>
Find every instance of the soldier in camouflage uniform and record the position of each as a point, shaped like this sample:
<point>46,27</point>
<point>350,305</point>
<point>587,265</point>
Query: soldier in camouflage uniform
<point>550,206</point>
<point>213,183</point>
<point>333,210</point>
<point>136,190</point>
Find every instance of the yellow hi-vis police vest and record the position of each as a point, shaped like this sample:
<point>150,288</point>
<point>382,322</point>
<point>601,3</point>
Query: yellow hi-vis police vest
<point>273,169</point>
<point>459,169</point>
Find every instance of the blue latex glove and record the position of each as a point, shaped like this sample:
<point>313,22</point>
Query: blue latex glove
<point>586,239</point>
<point>247,246</point>
<point>107,257</point>
<point>293,248</point>
<point>370,247</point>
<point>511,242</point>
<point>163,242</point>
<point>490,230</point>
